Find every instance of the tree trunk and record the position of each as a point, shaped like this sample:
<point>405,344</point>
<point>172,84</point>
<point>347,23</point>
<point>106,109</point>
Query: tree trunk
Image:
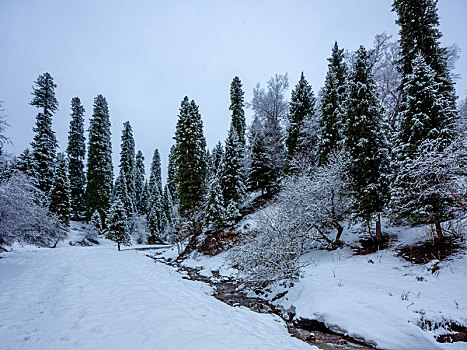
<point>378,228</point>
<point>340,229</point>
<point>118,243</point>
<point>439,231</point>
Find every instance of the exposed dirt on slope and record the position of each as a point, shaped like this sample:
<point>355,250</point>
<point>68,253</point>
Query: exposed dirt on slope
<point>424,252</point>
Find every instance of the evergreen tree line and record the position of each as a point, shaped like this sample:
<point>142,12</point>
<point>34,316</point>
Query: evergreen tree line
<point>404,160</point>
<point>85,190</point>
<point>401,158</point>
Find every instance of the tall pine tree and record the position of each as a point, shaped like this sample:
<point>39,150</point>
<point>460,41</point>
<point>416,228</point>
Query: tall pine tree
<point>237,106</point>
<point>24,163</point>
<point>215,213</point>
<point>120,191</point>
<point>260,174</point>
<point>127,170</point>
<point>156,214</point>
<point>364,142</point>
<point>427,112</point>
<point>332,102</point>
<point>139,183</point>
<point>76,152</point>
<point>419,34</point>
<point>60,192</point>
<point>426,125</point>
<point>190,158</point>
<point>171,184</point>
<point>216,156</point>
<point>100,168</point>
<point>44,144</point>
<point>301,111</point>
<point>232,172</point>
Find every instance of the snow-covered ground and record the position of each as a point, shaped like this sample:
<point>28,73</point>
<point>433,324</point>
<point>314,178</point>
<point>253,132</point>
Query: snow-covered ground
<point>96,297</point>
<point>99,298</point>
<point>378,297</point>
<point>381,298</point>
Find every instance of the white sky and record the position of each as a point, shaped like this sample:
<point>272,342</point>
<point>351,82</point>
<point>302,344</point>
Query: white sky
<point>145,56</point>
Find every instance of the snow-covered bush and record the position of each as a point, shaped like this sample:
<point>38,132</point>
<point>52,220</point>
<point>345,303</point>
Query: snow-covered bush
<point>273,250</point>
<point>23,218</point>
<point>310,207</point>
<point>96,223</point>
<point>93,229</point>
<point>320,200</point>
<point>138,227</point>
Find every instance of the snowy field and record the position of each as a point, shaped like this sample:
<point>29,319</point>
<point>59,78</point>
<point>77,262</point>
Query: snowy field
<point>382,298</point>
<point>99,298</point>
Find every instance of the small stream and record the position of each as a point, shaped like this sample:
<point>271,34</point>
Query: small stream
<point>310,331</point>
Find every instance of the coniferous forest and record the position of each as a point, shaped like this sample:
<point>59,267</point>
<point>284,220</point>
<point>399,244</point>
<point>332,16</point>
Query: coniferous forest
<point>353,167</point>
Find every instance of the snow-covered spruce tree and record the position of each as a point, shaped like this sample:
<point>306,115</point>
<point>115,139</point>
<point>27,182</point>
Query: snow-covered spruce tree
<point>137,218</point>
<point>155,175</point>
<point>271,108</point>
<point>426,125</point>
<point>117,224</point>
<point>424,113</point>
<point>96,223</point>
<point>301,116</point>
<point>140,174</point>
<point>260,174</point>
<point>76,151</point>
<point>215,213</point>
<point>60,203</point>
<point>127,167</point>
<point>172,187</point>
<point>216,157</point>
<point>24,162</point>
<point>208,163</point>
<point>173,218</point>
<point>157,221</point>
<point>462,121</point>
<point>231,176</point>
<point>44,144</point>
<point>190,158</point>
<point>123,188</point>
<point>332,102</point>
<point>419,35</point>
<point>237,106</point>
<point>365,143</point>
<point>145,197</point>
<point>100,168</point>
<point>120,191</point>
<point>156,216</point>
<point>307,143</point>
<point>167,202</point>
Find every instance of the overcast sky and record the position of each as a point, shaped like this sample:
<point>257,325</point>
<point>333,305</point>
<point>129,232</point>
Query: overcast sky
<point>145,56</point>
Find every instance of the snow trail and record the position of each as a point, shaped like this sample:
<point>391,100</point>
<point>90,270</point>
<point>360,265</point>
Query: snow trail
<point>98,298</point>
